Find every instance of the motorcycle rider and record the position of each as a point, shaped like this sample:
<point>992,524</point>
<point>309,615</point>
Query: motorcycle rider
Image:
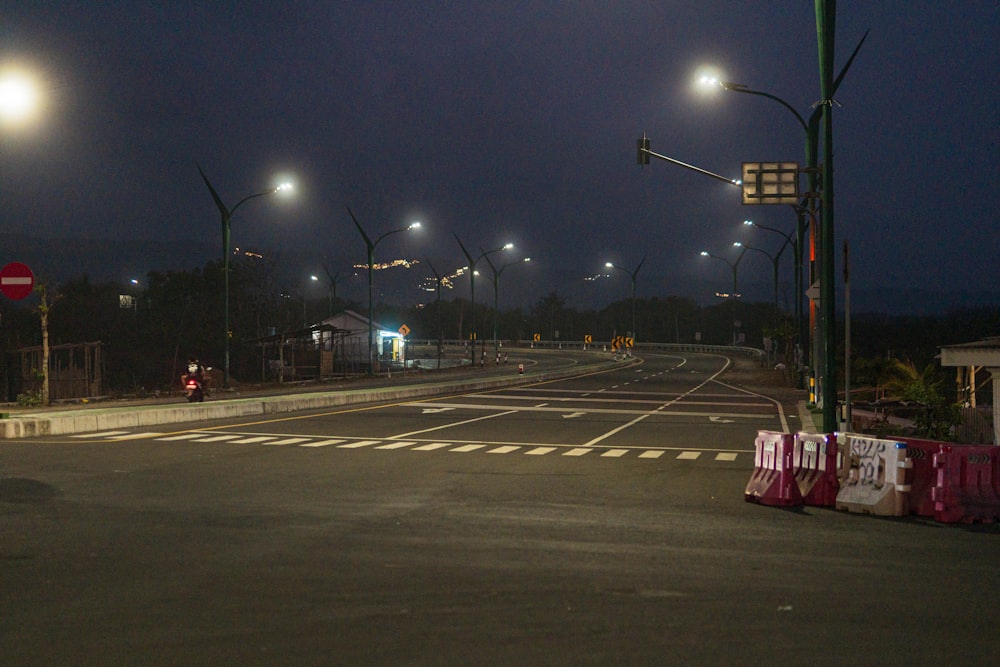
<point>194,371</point>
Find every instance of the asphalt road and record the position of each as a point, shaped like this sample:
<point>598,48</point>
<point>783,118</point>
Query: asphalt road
<point>598,520</point>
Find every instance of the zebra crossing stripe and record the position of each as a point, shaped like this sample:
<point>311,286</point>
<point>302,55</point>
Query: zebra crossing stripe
<point>103,434</point>
<point>467,448</point>
<point>182,436</point>
<point>359,444</point>
<point>506,449</point>
<point>431,447</point>
<point>652,454</point>
<point>578,451</point>
<point>688,456</point>
<point>322,443</point>
<point>220,438</point>
<point>288,441</point>
<point>135,436</point>
<point>725,456</point>
<point>540,451</point>
<point>615,453</point>
<point>396,445</point>
<point>250,441</point>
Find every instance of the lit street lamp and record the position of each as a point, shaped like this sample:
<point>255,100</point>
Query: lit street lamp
<point>496,296</point>
<point>305,318</point>
<point>371,268</point>
<point>734,266</point>
<point>18,96</point>
<point>227,214</point>
<point>472,287</point>
<point>633,275</point>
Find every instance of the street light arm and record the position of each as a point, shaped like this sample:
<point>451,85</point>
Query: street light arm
<point>368,241</point>
<point>468,256</point>
<point>215,195</point>
<point>693,168</point>
<point>741,88</point>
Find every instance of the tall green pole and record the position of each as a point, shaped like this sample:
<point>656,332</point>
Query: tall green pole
<point>826,11</point>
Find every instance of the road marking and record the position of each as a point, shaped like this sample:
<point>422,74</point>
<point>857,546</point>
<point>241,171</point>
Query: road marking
<point>431,447</point>
<point>136,436</point>
<point>182,436</point>
<point>323,443</point>
<point>578,451</point>
<point>540,451</point>
<point>688,456</point>
<point>615,453</point>
<point>288,441</point>
<point>461,423</point>
<point>652,454</point>
<point>396,445</point>
<point>103,434</point>
<point>573,415</point>
<point>358,444</point>
<point>725,456</point>
<point>217,438</point>
<point>506,449</point>
<point>433,410</point>
<point>250,441</point>
<point>467,448</point>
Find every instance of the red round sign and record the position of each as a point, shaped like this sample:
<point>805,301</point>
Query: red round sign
<point>16,280</point>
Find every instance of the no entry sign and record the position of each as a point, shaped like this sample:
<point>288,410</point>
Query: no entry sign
<point>16,280</point>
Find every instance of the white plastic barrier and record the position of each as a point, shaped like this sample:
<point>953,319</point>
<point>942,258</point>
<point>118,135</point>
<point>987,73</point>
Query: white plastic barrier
<point>876,476</point>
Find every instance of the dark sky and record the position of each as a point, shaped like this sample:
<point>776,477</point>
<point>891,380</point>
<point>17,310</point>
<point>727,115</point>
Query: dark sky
<point>509,121</point>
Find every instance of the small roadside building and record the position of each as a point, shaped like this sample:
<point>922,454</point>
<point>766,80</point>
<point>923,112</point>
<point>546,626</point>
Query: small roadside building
<point>388,345</point>
<point>970,358</point>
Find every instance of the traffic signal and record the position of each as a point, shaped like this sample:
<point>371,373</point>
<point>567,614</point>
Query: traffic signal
<point>643,150</point>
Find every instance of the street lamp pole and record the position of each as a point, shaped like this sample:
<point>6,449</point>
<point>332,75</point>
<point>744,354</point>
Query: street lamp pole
<point>370,245</point>
<point>472,288</point>
<point>227,214</point>
<point>632,275</point>
<point>734,266</point>
<point>496,297</point>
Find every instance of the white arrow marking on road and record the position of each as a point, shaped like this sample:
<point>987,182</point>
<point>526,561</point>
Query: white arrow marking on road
<point>429,410</point>
<point>573,414</point>
<point>720,420</point>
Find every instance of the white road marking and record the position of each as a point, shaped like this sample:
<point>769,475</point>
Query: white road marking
<point>688,456</point>
<point>652,454</point>
<point>103,434</point>
<point>396,445</point>
<point>467,448</point>
<point>250,441</point>
<point>136,436</point>
<point>359,444</point>
<point>431,447</point>
<point>218,438</point>
<point>615,453</point>
<point>540,451</point>
<point>506,449</point>
<point>182,436</point>
<point>725,456</point>
<point>323,443</point>
<point>288,441</point>
<point>578,451</point>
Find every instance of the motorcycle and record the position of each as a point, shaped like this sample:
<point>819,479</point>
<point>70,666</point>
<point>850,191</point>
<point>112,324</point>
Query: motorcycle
<point>194,384</point>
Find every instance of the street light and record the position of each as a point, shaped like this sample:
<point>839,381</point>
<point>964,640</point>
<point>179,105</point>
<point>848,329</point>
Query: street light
<point>227,214</point>
<point>496,296</point>
<point>734,266</point>
<point>371,268</point>
<point>472,287</point>
<point>18,96</point>
<point>632,274</point>
<point>305,318</point>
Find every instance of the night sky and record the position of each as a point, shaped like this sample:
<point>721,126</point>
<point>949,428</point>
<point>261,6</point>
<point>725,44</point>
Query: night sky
<point>509,121</point>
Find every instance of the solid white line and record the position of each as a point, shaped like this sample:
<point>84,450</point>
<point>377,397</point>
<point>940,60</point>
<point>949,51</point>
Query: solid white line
<point>466,421</point>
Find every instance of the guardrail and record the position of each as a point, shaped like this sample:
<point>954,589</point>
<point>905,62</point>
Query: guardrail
<point>726,350</point>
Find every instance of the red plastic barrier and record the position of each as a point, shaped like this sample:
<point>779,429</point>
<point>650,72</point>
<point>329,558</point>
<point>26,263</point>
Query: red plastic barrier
<point>815,464</point>
<point>773,479</point>
<point>923,477</point>
<point>968,484</point>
